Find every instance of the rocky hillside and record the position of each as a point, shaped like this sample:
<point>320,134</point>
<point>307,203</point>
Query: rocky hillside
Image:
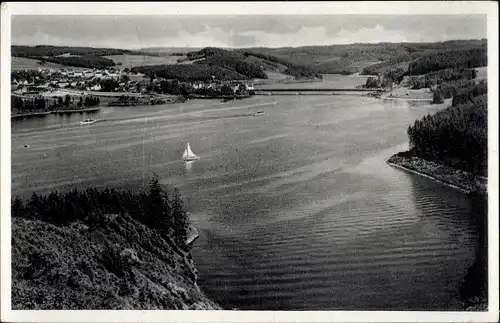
<point>99,260</point>
<point>122,264</point>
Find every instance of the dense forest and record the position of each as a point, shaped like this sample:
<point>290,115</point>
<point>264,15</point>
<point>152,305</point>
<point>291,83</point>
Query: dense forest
<point>293,69</point>
<point>229,60</point>
<point>86,61</point>
<point>155,209</point>
<point>458,135</point>
<point>192,72</point>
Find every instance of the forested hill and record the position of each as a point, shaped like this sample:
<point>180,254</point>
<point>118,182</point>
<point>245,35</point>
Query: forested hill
<point>48,50</point>
<point>416,58</point>
<point>103,249</point>
<point>396,59</point>
<point>87,57</point>
<point>353,58</point>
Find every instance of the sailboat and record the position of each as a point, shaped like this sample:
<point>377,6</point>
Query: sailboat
<point>188,154</point>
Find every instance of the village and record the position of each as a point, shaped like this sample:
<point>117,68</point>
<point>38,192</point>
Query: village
<point>49,90</point>
<point>45,81</point>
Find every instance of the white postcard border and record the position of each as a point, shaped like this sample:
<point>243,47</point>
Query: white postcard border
<point>245,8</point>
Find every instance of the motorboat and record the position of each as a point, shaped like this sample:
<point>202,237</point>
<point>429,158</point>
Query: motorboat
<point>87,121</point>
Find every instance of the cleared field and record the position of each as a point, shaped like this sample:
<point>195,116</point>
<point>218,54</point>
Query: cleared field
<point>21,63</point>
<point>141,60</point>
<point>277,76</point>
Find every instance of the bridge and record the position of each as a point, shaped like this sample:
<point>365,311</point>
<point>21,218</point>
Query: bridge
<point>305,91</point>
<point>317,90</point>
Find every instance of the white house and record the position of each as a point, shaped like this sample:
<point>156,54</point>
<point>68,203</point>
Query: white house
<point>88,74</point>
<point>96,87</point>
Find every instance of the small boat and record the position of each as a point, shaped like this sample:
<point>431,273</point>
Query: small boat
<point>188,154</point>
<point>259,113</point>
<point>87,121</point>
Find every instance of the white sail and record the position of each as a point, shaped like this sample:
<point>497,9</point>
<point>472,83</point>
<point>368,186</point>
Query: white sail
<point>188,153</point>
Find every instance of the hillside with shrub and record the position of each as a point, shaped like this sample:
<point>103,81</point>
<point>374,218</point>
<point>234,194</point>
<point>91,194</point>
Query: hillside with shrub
<point>105,249</point>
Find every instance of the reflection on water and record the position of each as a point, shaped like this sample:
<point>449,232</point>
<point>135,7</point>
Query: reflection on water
<point>296,209</point>
<point>189,166</point>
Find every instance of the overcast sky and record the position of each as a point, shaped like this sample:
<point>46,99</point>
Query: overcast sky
<point>241,31</point>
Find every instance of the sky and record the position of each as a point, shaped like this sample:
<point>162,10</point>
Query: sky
<point>134,32</point>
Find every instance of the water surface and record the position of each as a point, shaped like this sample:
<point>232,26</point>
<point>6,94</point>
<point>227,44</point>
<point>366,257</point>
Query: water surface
<point>296,209</point>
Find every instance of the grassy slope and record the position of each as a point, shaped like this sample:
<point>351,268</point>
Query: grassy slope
<point>21,63</point>
<point>69,268</point>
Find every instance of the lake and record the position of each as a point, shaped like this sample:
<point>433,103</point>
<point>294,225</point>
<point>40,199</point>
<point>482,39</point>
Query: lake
<point>296,209</point>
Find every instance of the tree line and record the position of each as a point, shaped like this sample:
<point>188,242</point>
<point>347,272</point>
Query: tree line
<point>470,58</point>
<point>461,90</point>
<point>48,50</point>
<point>442,76</point>
<point>86,61</point>
<point>456,136</point>
<point>175,87</point>
<point>19,105</point>
<point>155,208</point>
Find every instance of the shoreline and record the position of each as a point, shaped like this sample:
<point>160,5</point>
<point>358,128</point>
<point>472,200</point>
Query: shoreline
<point>405,99</point>
<point>427,176</point>
<point>448,176</point>
<point>472,296</point>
